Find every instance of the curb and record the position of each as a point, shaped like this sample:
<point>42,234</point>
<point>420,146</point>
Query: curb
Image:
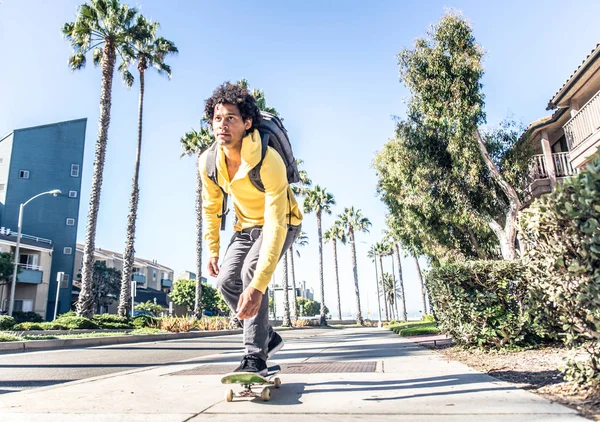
<point>36,345</point>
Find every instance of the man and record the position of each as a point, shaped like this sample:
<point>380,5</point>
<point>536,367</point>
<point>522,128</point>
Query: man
<point>267,222</point>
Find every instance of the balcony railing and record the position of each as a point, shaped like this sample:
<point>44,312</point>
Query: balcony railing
<point>585,123</point>
<point>562,166</point>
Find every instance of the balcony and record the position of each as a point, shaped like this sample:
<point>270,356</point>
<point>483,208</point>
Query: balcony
<point>583,131</point>
<point>31,274</point>
<point>540,179</point>
<point>139,278</point>
<point>165,282</point>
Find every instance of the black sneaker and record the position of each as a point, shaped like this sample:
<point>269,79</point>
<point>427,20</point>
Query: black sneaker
<point>275,345</point>
<point>254,364</point>
<point>235,324</point>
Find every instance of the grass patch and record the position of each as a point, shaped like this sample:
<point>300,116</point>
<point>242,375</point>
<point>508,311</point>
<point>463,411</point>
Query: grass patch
<point>148,330</point>
<point>416,328</point>
<point>9,337</point>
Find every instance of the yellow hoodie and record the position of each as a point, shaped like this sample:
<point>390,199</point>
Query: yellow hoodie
<point>270,209</point>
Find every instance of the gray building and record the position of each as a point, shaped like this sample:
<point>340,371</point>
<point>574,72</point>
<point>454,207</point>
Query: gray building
<point>38,159</point>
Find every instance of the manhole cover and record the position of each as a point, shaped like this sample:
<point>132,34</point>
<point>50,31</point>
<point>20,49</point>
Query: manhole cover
<point>291,368</point>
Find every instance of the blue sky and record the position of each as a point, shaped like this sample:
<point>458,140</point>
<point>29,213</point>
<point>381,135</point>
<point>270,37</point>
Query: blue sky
<point>328,67</point>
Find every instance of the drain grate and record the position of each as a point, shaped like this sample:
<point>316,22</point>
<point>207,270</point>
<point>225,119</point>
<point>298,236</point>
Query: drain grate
<point>291,368</point>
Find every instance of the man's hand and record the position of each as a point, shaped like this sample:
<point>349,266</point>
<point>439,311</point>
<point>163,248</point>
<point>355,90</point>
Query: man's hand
<point>249,303</point>
<point>213,266</point>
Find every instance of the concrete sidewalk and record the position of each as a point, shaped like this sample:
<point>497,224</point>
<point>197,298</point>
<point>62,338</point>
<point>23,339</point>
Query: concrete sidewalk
<point>400,381</point>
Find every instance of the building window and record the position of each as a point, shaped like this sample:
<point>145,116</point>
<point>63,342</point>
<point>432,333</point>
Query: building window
<point>72,194</point>
<point>70,221</point>
<point>67,251</point>
<point>2,187</point>
<point>65,281</point>
<point>23,174</point>
<point>74,170</point>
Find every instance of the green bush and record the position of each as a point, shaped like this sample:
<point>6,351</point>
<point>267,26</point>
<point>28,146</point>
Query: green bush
<point>27,317</point>
<point>143,321</point>
<point>481,303</point>
<point>53,325</point>
<point>428,318</point>
<point>561,235</point>
<point>6,322</point>
<point>9,337</point>
<point>27,326</point>
<point>112,321</point>
<point>73,322</point>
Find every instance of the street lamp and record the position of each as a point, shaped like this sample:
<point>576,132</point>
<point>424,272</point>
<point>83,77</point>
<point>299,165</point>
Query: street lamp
<point>13,286</point>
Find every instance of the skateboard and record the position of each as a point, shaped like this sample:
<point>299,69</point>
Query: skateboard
<point>249,380</point>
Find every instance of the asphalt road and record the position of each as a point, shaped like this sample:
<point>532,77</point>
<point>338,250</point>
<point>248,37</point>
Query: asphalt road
<point>19,371</point>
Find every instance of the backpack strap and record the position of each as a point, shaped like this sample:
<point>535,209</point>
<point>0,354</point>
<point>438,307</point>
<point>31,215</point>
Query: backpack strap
<point>211,172</point>
<point>254,174</point>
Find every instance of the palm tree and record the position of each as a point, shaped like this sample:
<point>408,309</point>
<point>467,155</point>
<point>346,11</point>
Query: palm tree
<point>335,233</point>
<point>373,253</point>
<point>151,53</point>
<point>318,200</point>
<point>400,280</point>
<point>390,252</point>
<point>420,277</point>
<point>381,250</point>
<point>115,28</point>
<point>392,292</point>
<point>300,188</point>
<point>353,221</point>
<point>287,321</point>
<point>195,142</point>
<point>301,241</point>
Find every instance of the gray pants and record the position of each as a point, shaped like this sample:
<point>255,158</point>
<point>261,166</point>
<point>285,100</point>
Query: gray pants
<point>237,272</point>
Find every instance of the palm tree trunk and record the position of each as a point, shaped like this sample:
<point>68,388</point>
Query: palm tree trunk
<point>383,293</point>
<point>378,293</point>
<point>287,322</point>
<point>294,301</point>
<point>359,318</point>
<point>401,281</point>
<point>320,233</point>
<point>422,285</point>
<point>128,256</point>
<point>198,302</point>
<point>85,304</point>
<point>394,303</point>
<point>337,280</point>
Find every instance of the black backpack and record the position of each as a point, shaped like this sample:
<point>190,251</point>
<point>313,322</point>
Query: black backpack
<point>273,134</point>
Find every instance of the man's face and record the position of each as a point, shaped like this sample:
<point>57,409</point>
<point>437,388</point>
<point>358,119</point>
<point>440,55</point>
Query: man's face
<point>229,126</point>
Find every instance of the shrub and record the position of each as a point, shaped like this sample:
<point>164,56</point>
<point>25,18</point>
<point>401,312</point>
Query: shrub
<point>112,321</point>
<point>150,306</point>
<point>212,323</point>
<point>6,322</point>
<point>142,321</point>
<point>428,318</point>
<point>300,323</point>
<point>53,325</point>
<point>9,337</point>
<point>73,322</point>
<point>481,303</point>
<point>27,317</point>
<point>561,235</point>
<point>176,324</point>
<point>27,326</point>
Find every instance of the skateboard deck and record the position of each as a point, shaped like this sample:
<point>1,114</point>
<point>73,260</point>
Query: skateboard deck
<point>249,380</point>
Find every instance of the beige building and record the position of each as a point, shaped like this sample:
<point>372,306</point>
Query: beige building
<point>564,142</point>
<point>153,280</point>
<point>35,262</point>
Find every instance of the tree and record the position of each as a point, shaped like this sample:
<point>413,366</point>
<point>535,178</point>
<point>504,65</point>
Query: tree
<point>353,221</point>
<point>195,142</point>
<point>392,292</point>
<point>105,287</point>
<point>300,242</point>
<point>335,233</point>
<point>394,241</point>
<point>184,293</point>
<point>422,284</point>
<point>150,52</point>
<point>6,272</point>
<point>309,307</point>
<point>373,253</point>
<point>115,27</point>
<point>381,249</point>
<point>318,200</point>
<point>438,175</point>
<point>287,321</point>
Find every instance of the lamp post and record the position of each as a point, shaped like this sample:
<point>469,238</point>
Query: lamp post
<point>11,303</point>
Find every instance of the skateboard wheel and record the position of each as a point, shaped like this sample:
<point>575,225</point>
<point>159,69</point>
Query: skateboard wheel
<point>229,395</point>
<point>277,383</point>
<point>265,394</point>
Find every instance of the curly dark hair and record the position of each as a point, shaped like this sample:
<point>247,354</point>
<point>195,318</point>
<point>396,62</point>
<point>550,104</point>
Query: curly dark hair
<point>235,94</point>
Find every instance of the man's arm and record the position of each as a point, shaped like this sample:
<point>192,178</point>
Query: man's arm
<point>212,202</point>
